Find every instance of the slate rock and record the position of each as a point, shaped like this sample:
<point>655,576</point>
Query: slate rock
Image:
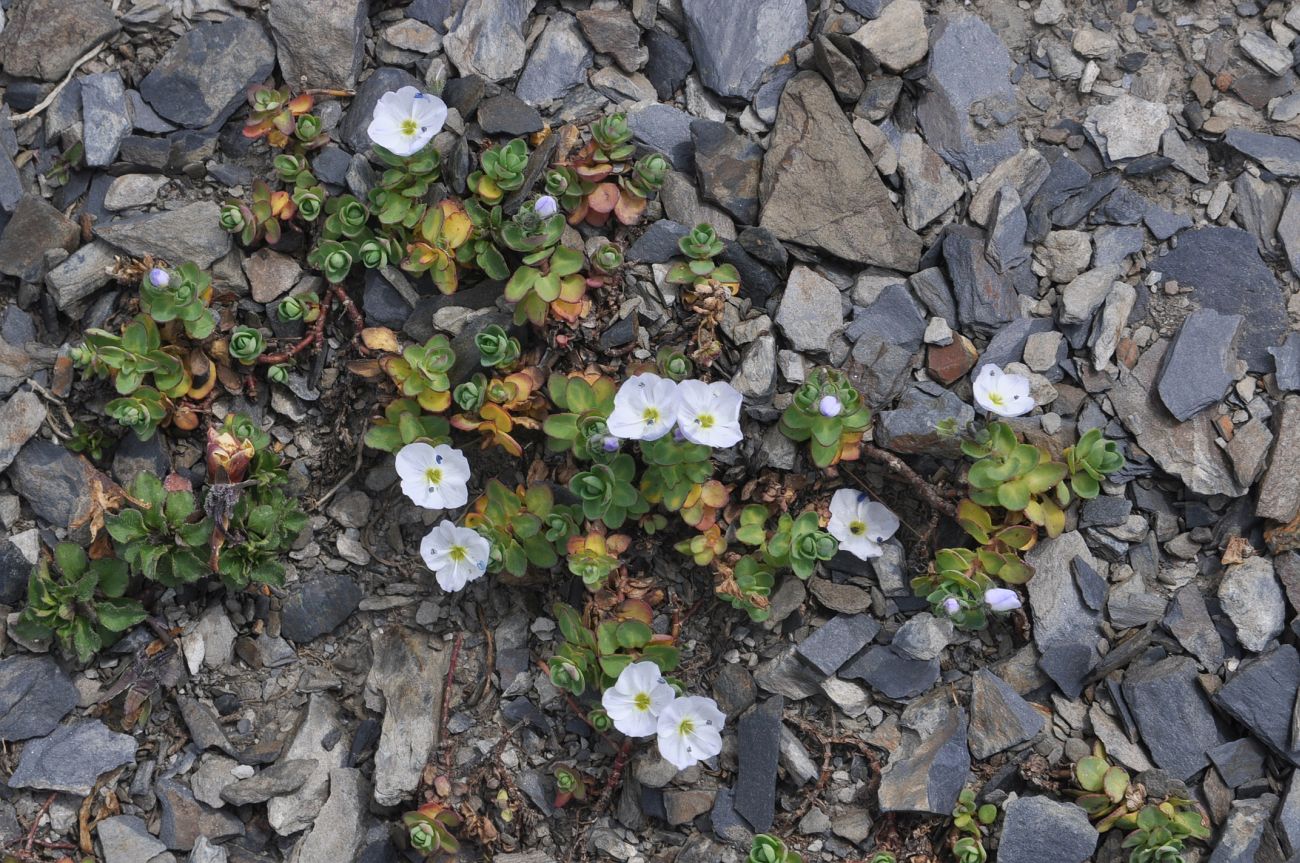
<point>205,74</point>
<point>1279,490</point>
<point>1085,293</point>
<point>21,416</point>
<point>126,839</point>
<point>912,427</point>
<point>405,681</point>
<point>340,829</point>
<point>317,739</point>
<point>1247,836</point>
<point>1279,154</point>
<point>837,641</point>
<point>734,46</point>
<point>999,717</point>
<point>558,63</point>
<point>886,335</point>
<point>185,820</point>
<point>106,119</point>
<point>929,187</point>
<point>813,156</point>
<point>926,772</point>
<point>34,228</point>
<point>1035,829</point>
<point>320,41</point>
<point>1188,620</point>
<point>487,38</point>
<point>668,64</point>
<point>44,38</point>
<point>658,244</point>
<point>72,758</point>
<point>1261,696</point>
<point>1177,723</point>
<point>1200,364</point>
<point>893,674</point>
<point>985,299</point>
<point>758,736</point>
<point>1060,614</point>
<point>15,571</point>
<point>1252,598</point>
<point>280,778</point>
<point>968,113</point>
<point>54,482</point>
<point>190,233</point>
<point>352,130</point>
<point>664,129</point>
<point>432,12</point>
<point>1127,127</point>
<point>1239,761</point>
<point>728,166</point>
<point>317,605</point>
<point>507,114</point>
<point>35,694</point>
<point>1007,248</point>
<point>1025,171</point>
<point>810,314</point>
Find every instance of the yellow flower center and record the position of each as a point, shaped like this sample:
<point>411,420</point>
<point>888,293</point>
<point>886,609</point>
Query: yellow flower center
<point>996,398</point>
<point>857,528</point>
<point>650,415</point>
<point>686,727</point>
<point>434,476</point>
<point>458,553</point>
<point>410,127</point>
<point>641,701</point>
<point>705,421</point>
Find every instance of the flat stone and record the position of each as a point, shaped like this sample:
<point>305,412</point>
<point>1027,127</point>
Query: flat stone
<point>270,274</point>
<point>814,154</point>
<point>487,38</point>
<point>1286,359</point>
<point>1128,127</point>
<point>1267,54</point>
<point>669,63</point>
<point>279,779</point>
<point>507,114</point>
<point>1117,743</point>
<point>968,113</point>
<point>1188,620</point>
<point>1200,364</point>
<point>810,315</point>
<point>1106,332</point>
<point>837,641</point>
<point>912,427</point>
<point>758,746</point>
<point>1261,696</point>
<point>1081,298</point>
<point>999,717</point>
<point>985,299</point>
<point>929,188</point>
<point>1288,816</point>
<point>1171,710</point>
<point>664,129</point>
<point>317,605</point>
<point>319,41</point>
<point>190,233</point>
<point>893,674</point>
<point>405,683</point>
<point>35,694</point>
<point>72,757</point>
<point>106,120</point>
<point>886,334</point>
<point>1278,153</point>
<point>1060,615</point>
<point>1025,171</point>
<point>133,190</point>
<point>126,839</point>
<point>1007,248</point>
<point>611,30</point>
<point>558,63</point>
<point>897,39</point>
<point>1252,598</point>
<point>728,166</point>
<point>205,74</point>
<point>923,636</point>
<point>1279,491</point>
<point>34,228</point>
<point>1247,835</point>
<point>318,739</point>
<point>734,46</point>
<point>927,772</point>
<point>54,482</point>
<point>1038,828</point>
<point>185,820</point>
<point>1239,761</point>
<point>21,416</point>
<point>44,38</point>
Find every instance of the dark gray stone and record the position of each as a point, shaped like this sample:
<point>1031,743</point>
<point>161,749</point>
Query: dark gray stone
<point>927,771</point>
<point>886,337</point>
<point>931,286</point>
<point>106,119</point>
<point>667,130</point>
<point>44,38</point>
<point>1036,829</point>
<point>317,605</point>
<point>1188,620</point>
<point>1177,723</point>
<point>1105,511</point>
<point>1279,154</point>
<point>35,694</point>
<point>1112,245</point>
<point>1247,836</point>
<point>1007,248</point>
<point>72,758</point>
<point>999,717</point>
<point>205,74</point>
<point>432,12</point>
<point>1261,696</point>
<point>126,839</point>
<point>144,118</point>
<point>559,62</point>
<point>985,299</point>
<point>352,131</point>
<point>35,228</point>
<point>319,41</point>
<point>14,574</point>
<point>893,674</point>
<point>185,820</point>
<point>1069,665</point>
<point>668,65</point>
<point>735,45</point>
<point>1238,761</point>
<point>507,114</point>
<point>658,244</point>
<point>54,482</point>
<point>758,745</point>
<point>1286,359</point>
<point>728,166</point>
<point>190,233</point>
<point>1200,364</point>
<point>837,641</point>
<point>281,778</point>
<point>83,273</point>
<point>913,426</point>
<point>487,38</point>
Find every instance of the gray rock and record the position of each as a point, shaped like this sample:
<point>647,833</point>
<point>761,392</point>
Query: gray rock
<point>559,62</point>
<point>735,46</point>
<point>34,228</point>
<point>1279,154</point>
<point>1189,621</point>
<point>1081,298</point>
<point>927,771</point>
<point>999,717</point>
<point>133,190</point>
<point>144,118</point>
<point>203,77</point>
<point>1061,617</point>
<point>1186,450</point>
<point>897,39</point>
<point>728,166</point>
<point>837,641</point>
<point>893,674</point>
<point>15,570</point>
<point>665,129</point>
<point>1025,171</point>
<point>1038,828</point>
<point>1261,696</point>
<point>35,694</point>
<point>432,12</point>
<point>106,121</point>
<point>21,416</point>
<point>1115,313</point>
<point>405,683</point>
<point>1279,490</point>
<point>1173,714</point>
<point>611,30</point>
<point>1239,761</point>
<point>352,131</point>
<point>669,63</point>
<point>1259,207</point>
<point>205,852</point>
<point>1286,359</point>
<point>507,114</point>
<point>45,37</point>
<point>968,114</point>
<point>11,184</point>
<point>810,315</point>
<point>756,376</point>
<point>784,674</point>
<point>1127,127</point>
<point>317,605</point>
<point>282,778</point>
<point>658,244</point>
<point>72,758</point>
<point>1113,244</point>
<point>1270,56</point>
<point>923,637</point>
<point>912,427</point>
<point>929,187</point>
<point>886,335</point>
<point>487,38</point>
<point>1200,364</point>
<point>185,820</point>
<point>1288,815</point>
<point>191,233</point>
<point>832,58</point>
<point>1247,836</point>
<point>758,736</point>
<point>54,482</point>
<point>317,739</point>
<point>813,156</point>
<point>319,41</point>
<point>1007,248</point>
<point>126,839</point>
<point>985,300</point>
<point>1252,598</point>
<point>1249,449</point>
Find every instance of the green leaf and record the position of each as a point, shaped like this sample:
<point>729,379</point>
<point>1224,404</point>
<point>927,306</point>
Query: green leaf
<point>633,634</point>
<point>113,576</point>
<point>1115,783</point>
<point>118,615</point>
<point>70,559</point>
<point>1014,495</point>
<point>1090,772</point>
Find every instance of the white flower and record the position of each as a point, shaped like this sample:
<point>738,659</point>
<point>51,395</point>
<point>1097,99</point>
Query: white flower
<point>860,524</point>
<point>645,407</point>
<point>690,730</point>
<point>434,477</point>
<point>635,700</point>
<point>546,206</point>
<point>405,120</point>
<point>1003,394</point>
<point>709,414</point>
<point>830,406</point>
<point>457,555</point>
<point>1001,599</point>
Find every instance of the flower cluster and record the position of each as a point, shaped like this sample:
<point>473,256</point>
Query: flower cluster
<point>647,407</point>
<point>642,703</point>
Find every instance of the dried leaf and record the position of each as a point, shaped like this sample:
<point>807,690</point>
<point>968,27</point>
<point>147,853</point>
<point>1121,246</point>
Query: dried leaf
<point>380,339</point>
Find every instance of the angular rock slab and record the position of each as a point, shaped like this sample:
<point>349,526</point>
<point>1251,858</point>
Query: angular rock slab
<point>191,233</point>
<point>45,37</point>
<point>35,694</point>
<point>72,758</point>
<point>559,62</point>
<point>813,159</point>
<point>736,43</point>
<point>1038,829</point>
<point>1199,364</point>
<point>999,717</point>
<point>759,737</point>
<point>126,839</point>
<point>487,38</point>
<point>1262,695</point>
<point>340,829</point>
<point>319,41</point>
<point>406,681</point>
<point>1279,491</point>
<point>925,774</point>
<point>293,812</point>
<point>1174,716</point>
<point>203,77</point>
<point>21,417</point>
<point>1252,598</point>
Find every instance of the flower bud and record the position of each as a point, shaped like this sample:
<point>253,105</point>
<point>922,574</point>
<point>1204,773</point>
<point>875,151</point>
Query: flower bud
<point>159,278</point>
<point>951,605</point>
<point>546,206</point>
<point>1001,599</point>
<point>830,406</point>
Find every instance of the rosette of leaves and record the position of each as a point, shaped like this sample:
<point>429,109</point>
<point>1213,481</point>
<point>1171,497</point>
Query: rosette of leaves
<point>567,187</point>
<point>429,829</point>
<point>645,178</point>
<point>377,252</point>
<point>334,259</point>
<point>882,857</point>
<point>345,218</point>
<point>185,297</point>
<point>303,307</point>
<point>165,536</point>
<point>556,287</point>
<point>607,492</point>
<point>480,250</point>
<point>749,587</point>
<point>612,138</point>
<point>89,440</point>
<point>593,658</point>
<point>246,345</point>
<point>310,201</point>
<point>293,170</point>
<point>1019,477</point>
<point>675,470</point>
<point>81,602</point>
<point>671,363</point>
<point>421,373</point>
<point>600,720</point>
<point>607,259</point>
<point>532,235</point>
<point>701,246</point>
<point>585,402</point>
<point>832,439</point>
<point>593,557</point>
<point>132,356</point>
<point>1090,461</point>
<point>497,349</point>
<point>523,526</point>
<point>262,218</point>
<point>262,528</point>
<point>704,547</point>
<point>398,199</point>
<point>968,849</point>
<point>1161,830</point>
<point>499,405</point>
<point>766,848</point>
<point>141,411</point>
<point>433,247</point>
<point>999,544</point>
<point>501,170</point>
<point>277,114</point>
<point>405,422</point>
<point>799,543</point>
<point>569,785</point>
